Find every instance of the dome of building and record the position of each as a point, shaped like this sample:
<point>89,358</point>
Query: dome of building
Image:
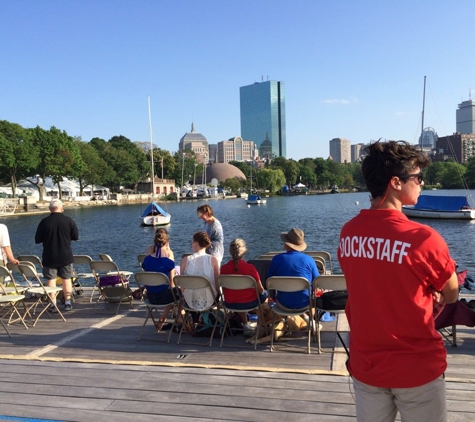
<point>223,171</point>
<point>192,136</point>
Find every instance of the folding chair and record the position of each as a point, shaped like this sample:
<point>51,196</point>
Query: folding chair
<point>322,254</point>
<point>81,271</point>
<point>105,257</point>
<point>195,283</point>
<point>113,285</point>
<point>237,282</point>
<point>140,258</point>
<point>34,259</point>
<point>146,279</point>
<point>9,300</point>
<point>45,295</point>
<point>334,282</point>
<point>290,285</point>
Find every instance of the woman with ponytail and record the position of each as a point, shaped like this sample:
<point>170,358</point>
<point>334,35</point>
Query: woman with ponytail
<point>247,298</point>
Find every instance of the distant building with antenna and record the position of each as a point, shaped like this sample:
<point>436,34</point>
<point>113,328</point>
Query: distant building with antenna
<point>197,143</point>
<point>465,116</point>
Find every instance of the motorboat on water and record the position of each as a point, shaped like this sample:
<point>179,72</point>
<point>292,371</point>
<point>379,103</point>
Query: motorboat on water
<point>335,189</point>
<point>255,200</point>
<point>154,215</point>
<point>441,207</point>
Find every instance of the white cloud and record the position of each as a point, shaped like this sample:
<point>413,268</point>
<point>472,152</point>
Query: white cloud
<point>341,101</point>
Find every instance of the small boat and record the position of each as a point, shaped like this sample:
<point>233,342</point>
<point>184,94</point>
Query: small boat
<point>441,207</point>
<point>335,189</point>
<point>154,215</point>
<point>255,200</point>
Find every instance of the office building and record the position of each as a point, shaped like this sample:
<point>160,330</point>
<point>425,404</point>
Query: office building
<point>340,150</point>
<point>356,151</point>
<point>235,149</point>
<point>459,147</point>
<point>197,143</point>
<point>263,115</point>
<point>465,117</point>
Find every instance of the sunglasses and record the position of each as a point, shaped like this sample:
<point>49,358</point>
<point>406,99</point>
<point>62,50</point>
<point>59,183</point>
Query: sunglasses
<point>419,177</point>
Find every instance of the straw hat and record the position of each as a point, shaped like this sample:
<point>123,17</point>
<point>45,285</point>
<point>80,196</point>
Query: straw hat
<point>294,239</point>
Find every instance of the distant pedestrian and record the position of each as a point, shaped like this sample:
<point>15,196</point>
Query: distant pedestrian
<point>214,230</point>
<point>56,233</point>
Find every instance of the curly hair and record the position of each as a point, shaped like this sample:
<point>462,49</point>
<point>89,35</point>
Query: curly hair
<point>237,250</point>
<point>385,160</point>
<point>202,239</point>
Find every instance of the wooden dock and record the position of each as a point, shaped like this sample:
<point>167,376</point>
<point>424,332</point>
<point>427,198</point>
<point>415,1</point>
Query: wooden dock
<point>92,367</point>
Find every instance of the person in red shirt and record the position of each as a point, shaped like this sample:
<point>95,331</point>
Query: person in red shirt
<point>242,298</point>
<point>395,269</point>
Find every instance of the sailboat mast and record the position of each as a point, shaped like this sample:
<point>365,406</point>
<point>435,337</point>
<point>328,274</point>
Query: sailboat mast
<point>423,109</point>
<point>151,146</point>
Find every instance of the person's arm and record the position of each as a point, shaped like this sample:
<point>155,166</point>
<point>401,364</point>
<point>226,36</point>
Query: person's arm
<point>7,250</point>
<point>450,292</point>
<point>183,265</point>
<point>172,276</point>
<point>217,237</point>
<point>39,233</point>
<point>215,266</point>
<point>74,231</point>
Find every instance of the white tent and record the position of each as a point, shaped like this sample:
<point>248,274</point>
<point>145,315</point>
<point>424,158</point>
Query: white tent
<point>299,185</point>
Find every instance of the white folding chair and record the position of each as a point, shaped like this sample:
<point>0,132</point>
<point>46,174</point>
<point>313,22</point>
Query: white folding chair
<point>290,285</point>
<point>45,295</point>
<point>140,258</point>
<point>204,286</point>
<point>334,282</point>
<point>113,285</point>
<point>237,282</point>
<point>81,271</point>
<point>322,254</point>
<point>9,300</point>
<point>147,279</point>
<point>105,257</point>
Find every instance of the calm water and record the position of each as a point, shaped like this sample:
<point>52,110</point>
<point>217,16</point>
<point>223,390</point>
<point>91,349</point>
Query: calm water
<point>116,230</point>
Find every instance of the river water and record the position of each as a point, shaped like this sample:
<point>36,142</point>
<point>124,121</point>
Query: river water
<point>116,230</point>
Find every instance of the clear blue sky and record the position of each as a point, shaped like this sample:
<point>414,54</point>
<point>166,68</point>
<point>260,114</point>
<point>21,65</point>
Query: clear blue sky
<point>352,69</point>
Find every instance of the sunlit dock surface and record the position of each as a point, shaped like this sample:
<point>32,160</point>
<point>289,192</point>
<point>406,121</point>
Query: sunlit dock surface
<point>92,367</point>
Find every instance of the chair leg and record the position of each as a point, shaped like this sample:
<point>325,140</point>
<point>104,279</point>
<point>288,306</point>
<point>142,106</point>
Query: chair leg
<point>5,327</point>
<point>226,321</point>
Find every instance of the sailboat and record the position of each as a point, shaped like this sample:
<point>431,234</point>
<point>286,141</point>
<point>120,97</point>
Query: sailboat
<point>254,199</point>
<point>439,206</point>
<point>154,215</point>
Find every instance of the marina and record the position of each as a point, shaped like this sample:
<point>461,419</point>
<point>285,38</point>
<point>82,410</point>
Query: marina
<point>93,367</point>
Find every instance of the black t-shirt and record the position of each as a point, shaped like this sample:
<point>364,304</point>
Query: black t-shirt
<point>56,233</point>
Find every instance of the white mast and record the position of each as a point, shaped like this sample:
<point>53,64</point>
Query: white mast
<point>151,146</point>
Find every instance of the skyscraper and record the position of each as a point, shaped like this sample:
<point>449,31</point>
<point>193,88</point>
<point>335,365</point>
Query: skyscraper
<point>340,150</point>
<point>465,116</point>
<point>263,114</point>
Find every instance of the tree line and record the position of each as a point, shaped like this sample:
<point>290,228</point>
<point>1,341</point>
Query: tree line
<point>36,153</point>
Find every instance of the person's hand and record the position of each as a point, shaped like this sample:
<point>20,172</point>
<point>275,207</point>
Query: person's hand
<point>437,296</point>
<point>14,261</point>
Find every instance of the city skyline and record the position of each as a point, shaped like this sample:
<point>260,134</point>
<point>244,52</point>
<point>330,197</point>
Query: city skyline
<point>352,70</point>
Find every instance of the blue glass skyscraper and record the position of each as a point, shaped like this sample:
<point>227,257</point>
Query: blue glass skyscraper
<point>263,115</point>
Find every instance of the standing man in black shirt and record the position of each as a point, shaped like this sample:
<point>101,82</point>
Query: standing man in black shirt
<point>56,233</point>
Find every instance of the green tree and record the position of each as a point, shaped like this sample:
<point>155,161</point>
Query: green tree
<point>307,176</point>
<point>271,179</point>
<point>452,177</point>
<point>93,172</point>
<point>232,184</point>
<point>57,152</point>
<point>18,155</point>
<point>470,173</point>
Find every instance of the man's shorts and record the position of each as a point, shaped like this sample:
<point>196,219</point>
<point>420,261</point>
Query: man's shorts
<point>65,272</point>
